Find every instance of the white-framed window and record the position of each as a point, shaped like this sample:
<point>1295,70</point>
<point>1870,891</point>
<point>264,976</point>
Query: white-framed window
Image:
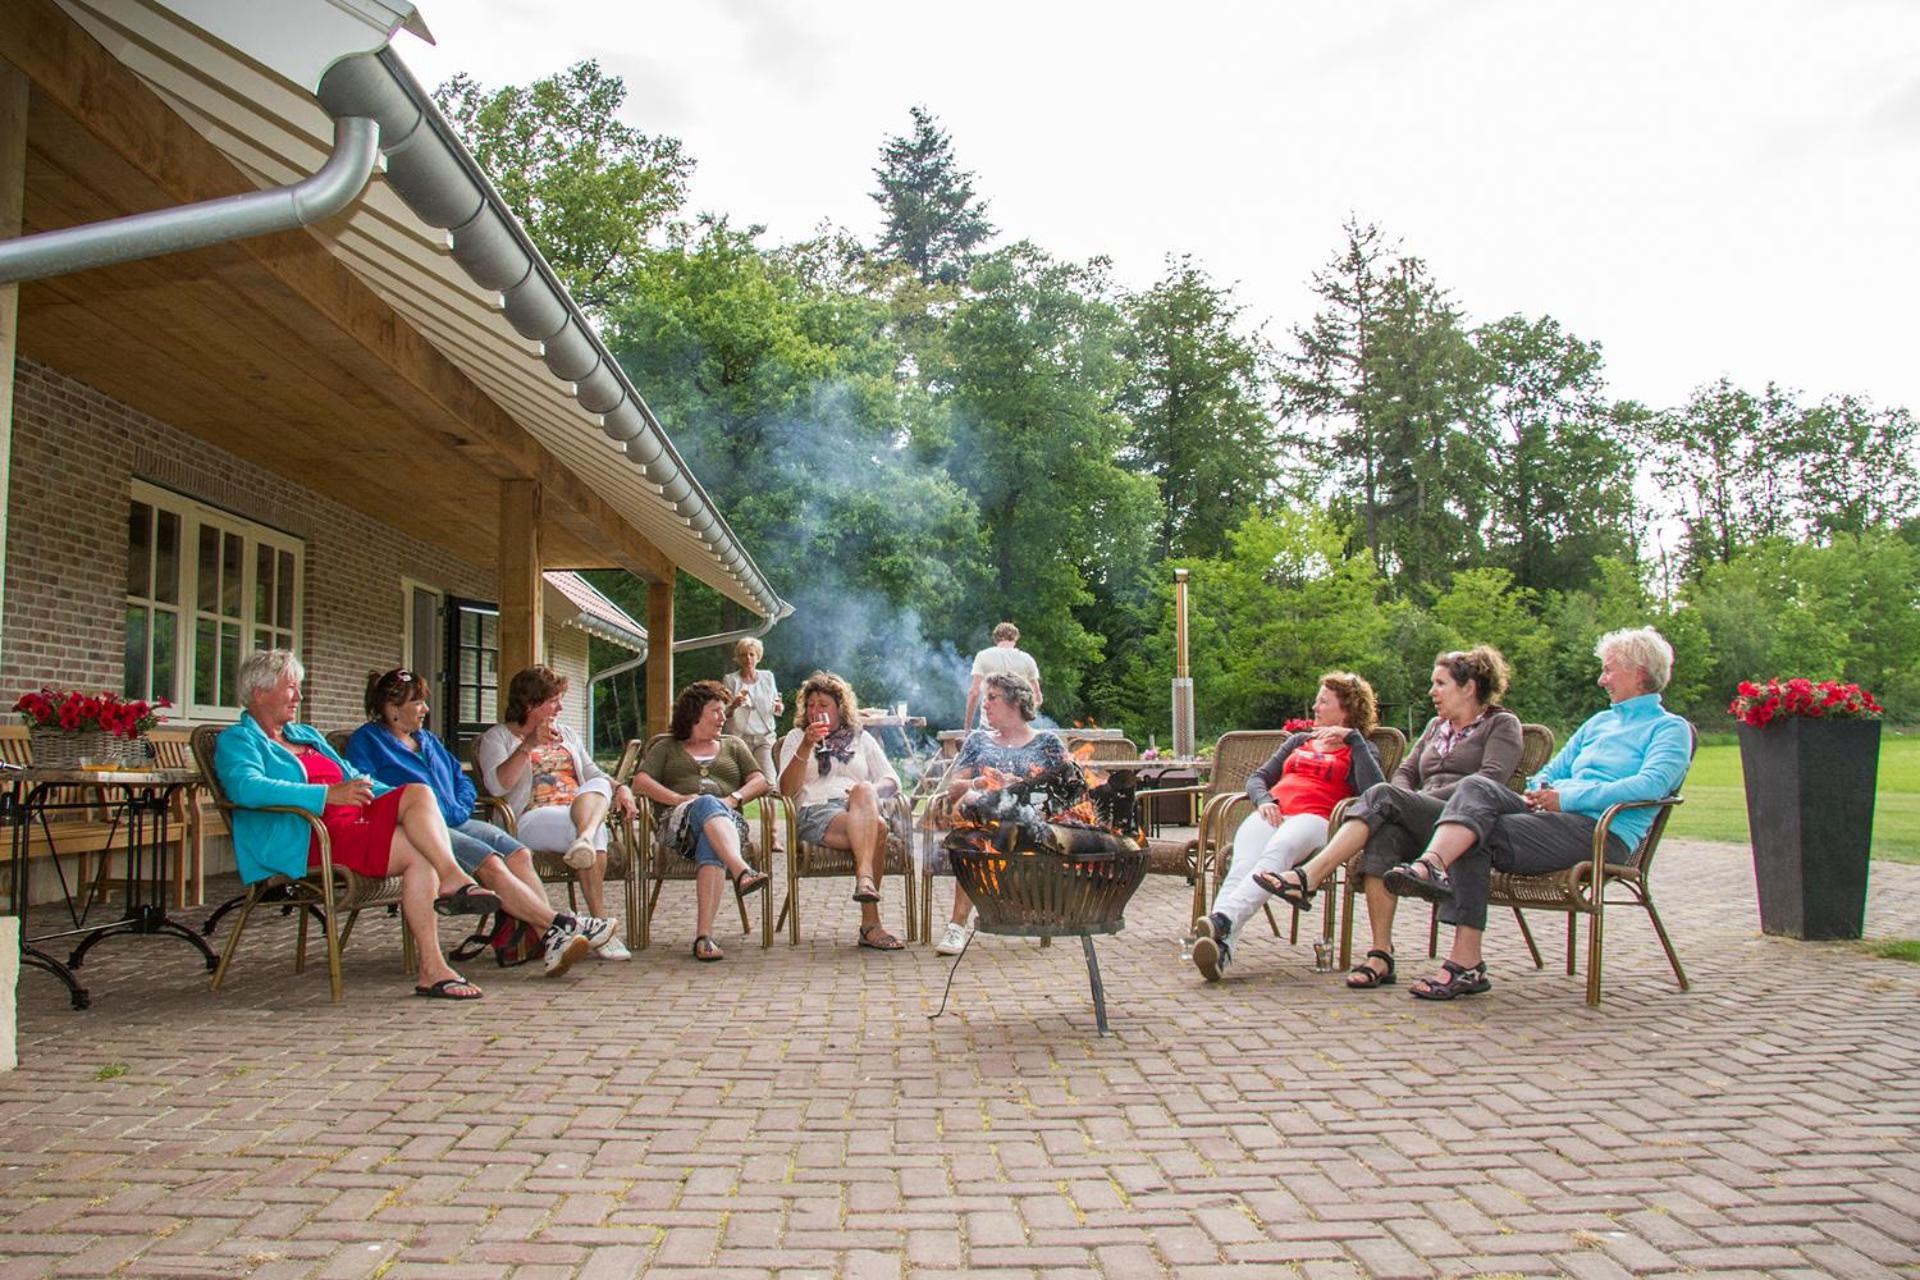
<point>423,643</point>
<point>204,588</point>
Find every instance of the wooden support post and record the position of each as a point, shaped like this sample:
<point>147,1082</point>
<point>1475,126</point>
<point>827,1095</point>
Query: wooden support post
<point>521,620</point>
<point>13,190</point>
<point>660,688</point>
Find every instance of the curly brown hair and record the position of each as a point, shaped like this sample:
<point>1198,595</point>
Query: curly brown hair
<point>531,687</point>
<point>392,688</point>
<point>1483,666</point>
<point>692,703</point>
<point>834,687</point>
<point>1356,699</point>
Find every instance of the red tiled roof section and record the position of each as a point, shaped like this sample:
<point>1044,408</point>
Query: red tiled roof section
<point>598,615</point>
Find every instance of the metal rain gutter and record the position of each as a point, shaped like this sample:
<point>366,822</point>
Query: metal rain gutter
<point>332,188</point>
<point>434,175</point>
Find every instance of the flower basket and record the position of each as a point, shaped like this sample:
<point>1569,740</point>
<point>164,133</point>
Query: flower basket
<point>1810,755</point>
<point>68,729</point>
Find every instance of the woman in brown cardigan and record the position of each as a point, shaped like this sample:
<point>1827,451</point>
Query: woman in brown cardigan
<point>1472,734</point>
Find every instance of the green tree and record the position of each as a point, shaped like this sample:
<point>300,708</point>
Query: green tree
<point>1719,458</point>
<point>589,189</point>
<point>1485,606</point>
<point>1857,468</point>
<point>1560,473</point>
<point>1029,382</point>
<point>1195,396</point>
<point>934,222</point>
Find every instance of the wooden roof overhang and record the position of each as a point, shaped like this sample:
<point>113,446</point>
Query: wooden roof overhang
<point>353,358</point>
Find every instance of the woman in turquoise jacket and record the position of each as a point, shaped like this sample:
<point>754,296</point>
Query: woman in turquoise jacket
<point>270,759</point>
<point>1634,750</point>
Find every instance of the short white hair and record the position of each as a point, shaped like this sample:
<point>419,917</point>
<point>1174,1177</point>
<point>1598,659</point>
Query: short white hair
<point>1642,648</point>
<point>264,669</point>
<point>748,644</point>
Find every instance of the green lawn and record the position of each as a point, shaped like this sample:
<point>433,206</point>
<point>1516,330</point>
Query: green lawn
<point>1716,807</point>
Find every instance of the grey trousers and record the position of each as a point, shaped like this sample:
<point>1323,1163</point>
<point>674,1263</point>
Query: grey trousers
<point>1509,837</point>
<point>1399,824</point>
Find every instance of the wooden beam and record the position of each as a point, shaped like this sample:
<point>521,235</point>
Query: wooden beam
<point>13,193</point>
<point>522,620</point>
<point>660,688</point>
<point>116,107</point>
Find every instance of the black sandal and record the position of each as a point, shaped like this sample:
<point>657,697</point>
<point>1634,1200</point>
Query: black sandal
<point>749,881</point>
<point>468,900</point>
<point>706,950</point>
<point>1461,981</point>
<point>1434,886</point>
<point>1364,977</point>
<point>1290,886</point>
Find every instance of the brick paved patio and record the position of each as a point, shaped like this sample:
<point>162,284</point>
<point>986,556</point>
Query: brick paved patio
<point>794,1113</point>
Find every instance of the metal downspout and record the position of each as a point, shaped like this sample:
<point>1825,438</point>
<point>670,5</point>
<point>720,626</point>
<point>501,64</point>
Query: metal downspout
<point>356,147</point>
<point>681,646</point>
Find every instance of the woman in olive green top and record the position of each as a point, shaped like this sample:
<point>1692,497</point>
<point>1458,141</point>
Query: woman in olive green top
<point>699,780</point>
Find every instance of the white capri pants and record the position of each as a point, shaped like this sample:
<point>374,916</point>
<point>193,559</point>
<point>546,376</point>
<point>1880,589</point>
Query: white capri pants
<point>549,829</point>
<point>1260,846</point>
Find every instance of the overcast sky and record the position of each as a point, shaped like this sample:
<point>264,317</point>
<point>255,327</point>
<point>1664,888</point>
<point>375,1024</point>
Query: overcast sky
<point>1703,188</point>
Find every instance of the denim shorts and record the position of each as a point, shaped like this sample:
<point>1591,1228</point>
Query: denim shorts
<point>475,841</point>
<point>814,819</point>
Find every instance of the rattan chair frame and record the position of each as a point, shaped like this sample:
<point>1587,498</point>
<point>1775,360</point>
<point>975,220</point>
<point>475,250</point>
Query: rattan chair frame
<point>331,891</point>
<point>663,864</point>
<point>813,861</point>
<point>1235,756</point>
<point>1536,748</point>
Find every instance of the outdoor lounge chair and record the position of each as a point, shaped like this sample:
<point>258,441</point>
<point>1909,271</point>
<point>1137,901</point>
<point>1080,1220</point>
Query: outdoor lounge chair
<point>1574,892</point>
<point>660,865</point>
<point>1235,756</point>
<point>328,891</point>
<point>809,861</point>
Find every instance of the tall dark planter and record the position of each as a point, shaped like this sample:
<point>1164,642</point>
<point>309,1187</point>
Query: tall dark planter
<point>1810,786</point>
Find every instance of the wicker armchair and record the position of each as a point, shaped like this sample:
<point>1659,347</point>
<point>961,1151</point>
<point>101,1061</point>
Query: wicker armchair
<point>327,891</point>
<point>1235,756</point>
<point>1388,743</point>
<point>623,868</point>
<point>660,864</point>
<point>1574,892</point>
<point>809,861</point>
<point>1536,748</point>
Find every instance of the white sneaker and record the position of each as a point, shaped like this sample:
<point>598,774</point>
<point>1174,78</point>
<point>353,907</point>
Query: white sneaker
<point>581,853</point>
<point>613,949</point>
<point>953,941</point>
<point>596,931</point>
<point>564,946</point>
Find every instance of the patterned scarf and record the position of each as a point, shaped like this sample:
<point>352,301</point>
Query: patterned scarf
<point>837,745</point>
<point>1449,737</point>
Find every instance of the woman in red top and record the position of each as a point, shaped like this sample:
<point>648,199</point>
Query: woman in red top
<point>1293,794</point>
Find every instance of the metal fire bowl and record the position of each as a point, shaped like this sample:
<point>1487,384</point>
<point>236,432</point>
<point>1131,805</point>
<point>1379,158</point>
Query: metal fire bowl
<point>1051,895</point>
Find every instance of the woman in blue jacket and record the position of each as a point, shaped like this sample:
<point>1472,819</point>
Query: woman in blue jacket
<point>1634,750</point>
<point>397,748</point>
<point>268,758</point>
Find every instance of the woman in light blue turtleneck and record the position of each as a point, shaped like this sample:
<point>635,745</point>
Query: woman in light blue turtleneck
<point>1634,750</point>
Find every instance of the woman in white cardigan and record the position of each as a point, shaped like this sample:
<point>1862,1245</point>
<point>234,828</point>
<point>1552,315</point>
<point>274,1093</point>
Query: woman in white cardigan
<point>559,796</point>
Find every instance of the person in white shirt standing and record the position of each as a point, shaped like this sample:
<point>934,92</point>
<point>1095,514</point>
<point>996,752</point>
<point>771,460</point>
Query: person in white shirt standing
<point>1004,656</point>
<point>755,703</point>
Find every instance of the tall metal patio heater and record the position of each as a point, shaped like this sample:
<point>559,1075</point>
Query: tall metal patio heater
<point>1182,674</point>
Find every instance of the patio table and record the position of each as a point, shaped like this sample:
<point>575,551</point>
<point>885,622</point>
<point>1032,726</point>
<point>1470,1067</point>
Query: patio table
<point>140,801</point>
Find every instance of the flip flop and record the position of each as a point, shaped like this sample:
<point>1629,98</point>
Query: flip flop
<point>444,990</point>
<point>880,940</point>
<point>468,900</point>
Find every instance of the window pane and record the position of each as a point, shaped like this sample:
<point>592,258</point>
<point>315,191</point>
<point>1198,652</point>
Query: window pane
<point>166,573</point>
<point>139,549</point>
<point>490,630</point>
<point>263,584</point>
<point>229,662</point>
<point>469,704</point>
<point>134,683</point>
<point>283,615</point>
<point>165,628</point>
<point>205,632</point>
<point>208,564</point>
<point>490,666</point>
<point>230,602</point>
<point>469,666</point>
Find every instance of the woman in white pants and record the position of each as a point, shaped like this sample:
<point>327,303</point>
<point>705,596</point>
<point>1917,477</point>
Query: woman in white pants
<point>1294,793</point>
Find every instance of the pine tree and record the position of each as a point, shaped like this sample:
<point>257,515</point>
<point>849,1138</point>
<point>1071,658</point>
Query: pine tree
<point>934,221</point>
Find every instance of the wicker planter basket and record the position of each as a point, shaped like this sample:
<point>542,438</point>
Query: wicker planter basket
<point>58,749</point>
<point>1043,894</point>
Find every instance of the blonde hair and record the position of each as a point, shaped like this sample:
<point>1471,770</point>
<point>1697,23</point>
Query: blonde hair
<point>834,687</point>
<point>747,644</point>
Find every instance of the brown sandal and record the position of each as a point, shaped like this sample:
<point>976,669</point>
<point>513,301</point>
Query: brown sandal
<point>706,950</point>
<point>864,891</point>
<point>876,937</point>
